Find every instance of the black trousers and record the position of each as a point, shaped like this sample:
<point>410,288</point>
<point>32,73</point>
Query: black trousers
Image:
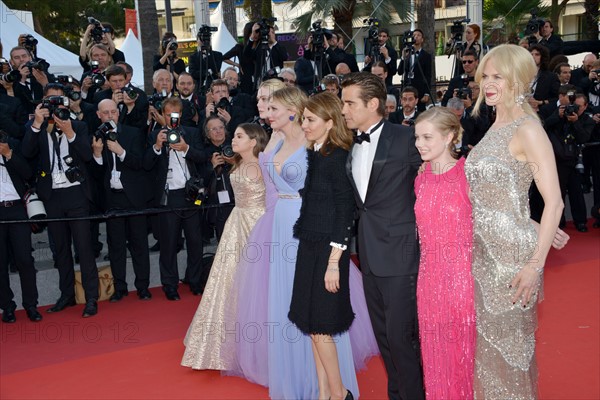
<point>392,305</point>
<point>171,224</point>
<point>68,203</point>
<point>124,231</point>
<point>16,237</point>
<point>570,184</point>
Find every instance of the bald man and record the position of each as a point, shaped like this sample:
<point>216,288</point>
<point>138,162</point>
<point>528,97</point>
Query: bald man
<point>580,76</point>
<point>117,164</point>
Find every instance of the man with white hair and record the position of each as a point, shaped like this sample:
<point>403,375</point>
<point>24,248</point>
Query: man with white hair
<point>390,105</point>
<point>289,77</point>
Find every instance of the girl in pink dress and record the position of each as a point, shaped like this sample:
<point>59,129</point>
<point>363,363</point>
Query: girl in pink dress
<point>445,302</point>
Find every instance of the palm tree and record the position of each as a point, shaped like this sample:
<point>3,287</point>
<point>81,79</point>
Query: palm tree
<point>592,16</point>
<point>505,19</point>
<point>426,15</point>
<point>228,13</point>
<point>148,36</point>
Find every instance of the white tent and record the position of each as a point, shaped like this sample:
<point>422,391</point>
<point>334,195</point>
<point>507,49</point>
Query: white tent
<point>61,61</point>
<point>222,40</point>
<point>132,48</point>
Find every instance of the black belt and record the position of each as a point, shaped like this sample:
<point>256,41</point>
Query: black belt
<point>117,190</point>
<point>10,203</point>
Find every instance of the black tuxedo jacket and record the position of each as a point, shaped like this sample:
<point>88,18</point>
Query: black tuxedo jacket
<point>138,117</point>
<point>392,65</point>
<point>422,79</point>
<point>546,87</point>
<point>387,240</point>
<point>212,61</point>
<point>18,168</point>
<point>33,93</point>
<point>158,165</point>
<point>35,145</point>
<point>278,55</point>
<point>132,176</point>
<point>13,116</point>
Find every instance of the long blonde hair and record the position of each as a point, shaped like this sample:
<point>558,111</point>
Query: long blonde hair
<point>292,98</point>
<point>517,66</point>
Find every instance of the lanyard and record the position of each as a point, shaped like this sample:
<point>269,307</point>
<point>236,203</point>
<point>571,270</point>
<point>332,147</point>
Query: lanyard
<point>56,153</point>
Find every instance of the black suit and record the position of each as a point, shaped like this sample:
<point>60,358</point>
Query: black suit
<point>16,237</point>
<point>13,116</point>
<point>554,45</point>
<point>199,66</point>
<point>131,229</point>
<point>68,202</point>
<point>172,222</point>
<point>422,75</point>
<point>138,117</point>
<point>389,257</point>
<point>30,93</point>
<point>278,54</point>
<point>391,66</point>
<point>546,87</point>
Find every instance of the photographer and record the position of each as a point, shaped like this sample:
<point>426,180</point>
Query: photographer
<point>244,64</point>
<point>547,38</point>
<point>415,67</point>
<point>568,127</point>
<point>469,61</point>
<point>318,49</point>
<point>563,73</point>
<point>474,127</point>
<point>16,238</point>
<point>407,113</point>
<point>162,81</point>
<point>205,63</point>
<point>385,53</point>
<point>133,109</point>
<point>264,49</point>
<point>238,98</point>
<point>93,80</point>
<point>545,85</point>
<point>216,174</point>
<point>118,153</point>
<point>61,149</point>
<point>192,111</point>
<point>13,116</point>
<point>167,56</point>
<point>336,42</point>
<point>380,70</point>
<point>581,77</point>
<point>31,80</point>
<point>98,33</point>
<point>221,106</point>
<point>172,160</point>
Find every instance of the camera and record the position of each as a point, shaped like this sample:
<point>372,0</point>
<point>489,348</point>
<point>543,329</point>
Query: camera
<point>204,34</point>
<point>64,79</point>
<point>320,88</point>
<point>571,108</point>
<point>319,35</point>
<point>54,103</point>
<point>156,100</point>
<point>408,39</point>
<point>130,92</point>
<point>174,133</point>
<point>97,76</point>
<point>71,93</point>
<point>227,151</point>
<point>272,73</point>
<point>107,131</point>
<point>373,36</point>
<point>39,65</point>
<point>170,45</point>
<point>97,31</point>
<point>11,77</point>
<point>73,173</point>
<point>222,104</point>
<point>534,24</point>
<point>265,26</point>
<point>580,167</point>
<point>267,128</point>
<point>194,190</point>
<point>3,136</point>
<point>30,42</point>
<point>464,93</point>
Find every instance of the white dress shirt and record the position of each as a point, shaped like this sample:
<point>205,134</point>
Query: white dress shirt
<point>362,161</point>
<point>7,188</point>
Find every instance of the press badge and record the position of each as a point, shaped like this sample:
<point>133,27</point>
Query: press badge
<point>223,197</point>
<point>59,178</point>
<point>115,178</point>
<point>169,174</point>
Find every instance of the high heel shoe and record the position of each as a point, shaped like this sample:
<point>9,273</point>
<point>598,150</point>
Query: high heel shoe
<point>349,396</point>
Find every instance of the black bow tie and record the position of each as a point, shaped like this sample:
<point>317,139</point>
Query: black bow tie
<point>363,137</point>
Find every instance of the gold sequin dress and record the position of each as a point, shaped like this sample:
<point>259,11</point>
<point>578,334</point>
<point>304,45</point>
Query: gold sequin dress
<point>206,335</point>
<point>504,240</point>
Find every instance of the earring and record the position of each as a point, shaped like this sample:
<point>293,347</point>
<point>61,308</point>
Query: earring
<point>520,99</point>
<point>292,118</point>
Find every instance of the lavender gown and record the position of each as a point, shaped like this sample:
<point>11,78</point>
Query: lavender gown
<point>270,350</point>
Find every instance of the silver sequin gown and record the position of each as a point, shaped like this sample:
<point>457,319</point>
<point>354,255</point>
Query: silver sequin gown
<point>504,240</point>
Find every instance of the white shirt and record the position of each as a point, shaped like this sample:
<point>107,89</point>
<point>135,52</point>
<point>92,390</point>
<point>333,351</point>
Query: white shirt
<point>7,188</point>
<point>177,172</point>
<point>115,176</point>
<point>59,181</point>
<point>362,161</point>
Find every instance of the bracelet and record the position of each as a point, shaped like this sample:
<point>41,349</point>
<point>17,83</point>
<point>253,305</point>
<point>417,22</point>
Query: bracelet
<point>539,270</point>
<point>332,269</point>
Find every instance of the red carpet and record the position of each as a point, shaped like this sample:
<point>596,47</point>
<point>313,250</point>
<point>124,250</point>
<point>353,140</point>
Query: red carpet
<point>132,349</point>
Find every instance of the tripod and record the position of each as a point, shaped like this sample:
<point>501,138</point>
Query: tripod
<point>410,62</point>
<point>264,54</point>
<point>205,56</point>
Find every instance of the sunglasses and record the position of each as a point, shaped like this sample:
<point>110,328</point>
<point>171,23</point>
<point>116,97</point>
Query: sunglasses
<point>468,61</point>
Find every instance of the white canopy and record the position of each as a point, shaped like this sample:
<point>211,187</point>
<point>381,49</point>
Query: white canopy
<point>62,62</point>
<point>222,40</point>
<point>132,48</point>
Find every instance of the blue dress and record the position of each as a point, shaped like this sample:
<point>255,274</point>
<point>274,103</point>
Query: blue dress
<point>291,366</point>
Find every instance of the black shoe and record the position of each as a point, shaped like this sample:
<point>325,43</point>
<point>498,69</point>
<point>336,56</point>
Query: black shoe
<point>90,309</point>
<point>33,314</point>
<point>144,294</point>
<point>581,227</point>
<point>61,304</point>
<point>8,316</point>
<point>349,396</point>
<point>118,295</point>
<point>172,295</point>
<point>196,291</point>
<point>596,224</point>
<point>155,247</point>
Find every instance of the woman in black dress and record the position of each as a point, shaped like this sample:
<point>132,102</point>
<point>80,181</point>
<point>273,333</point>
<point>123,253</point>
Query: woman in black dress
<point>167,56</point>
<point>320,303</point>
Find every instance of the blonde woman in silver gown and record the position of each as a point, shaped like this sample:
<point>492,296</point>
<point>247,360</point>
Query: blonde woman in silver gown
<point>509,253</point>
<point>206,335</point>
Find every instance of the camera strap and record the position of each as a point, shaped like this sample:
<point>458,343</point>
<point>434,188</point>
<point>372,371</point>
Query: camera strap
<point>56,153</point>
<point>181,166</point>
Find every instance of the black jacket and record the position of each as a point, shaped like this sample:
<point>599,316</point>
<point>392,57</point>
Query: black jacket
<point>138,117</point>
<point>13,116</point>
<point>327,210</point>
<point>392,65</point>
<point>422,73</point>
<point>18,168</point>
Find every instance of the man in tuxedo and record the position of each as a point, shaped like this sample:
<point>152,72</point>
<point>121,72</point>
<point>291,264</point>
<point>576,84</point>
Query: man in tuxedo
<point>193,104</point>
<point>274,57</point>
<point>50,140</point>
<point>387,54</point>
<point>407,114</point>
<point>415,67</point>
<point>133,108</point>
<point>470,62</point>
<point>382,166</point>
<point>118,165</point>
<point>29,89</point>
<point>14,172</point>
<point>173,164</point>
<point>547,38</point>
<point>205,64</point>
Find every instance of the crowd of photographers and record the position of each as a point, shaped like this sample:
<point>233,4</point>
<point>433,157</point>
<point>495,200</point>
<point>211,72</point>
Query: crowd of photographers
<point>98,144</point>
